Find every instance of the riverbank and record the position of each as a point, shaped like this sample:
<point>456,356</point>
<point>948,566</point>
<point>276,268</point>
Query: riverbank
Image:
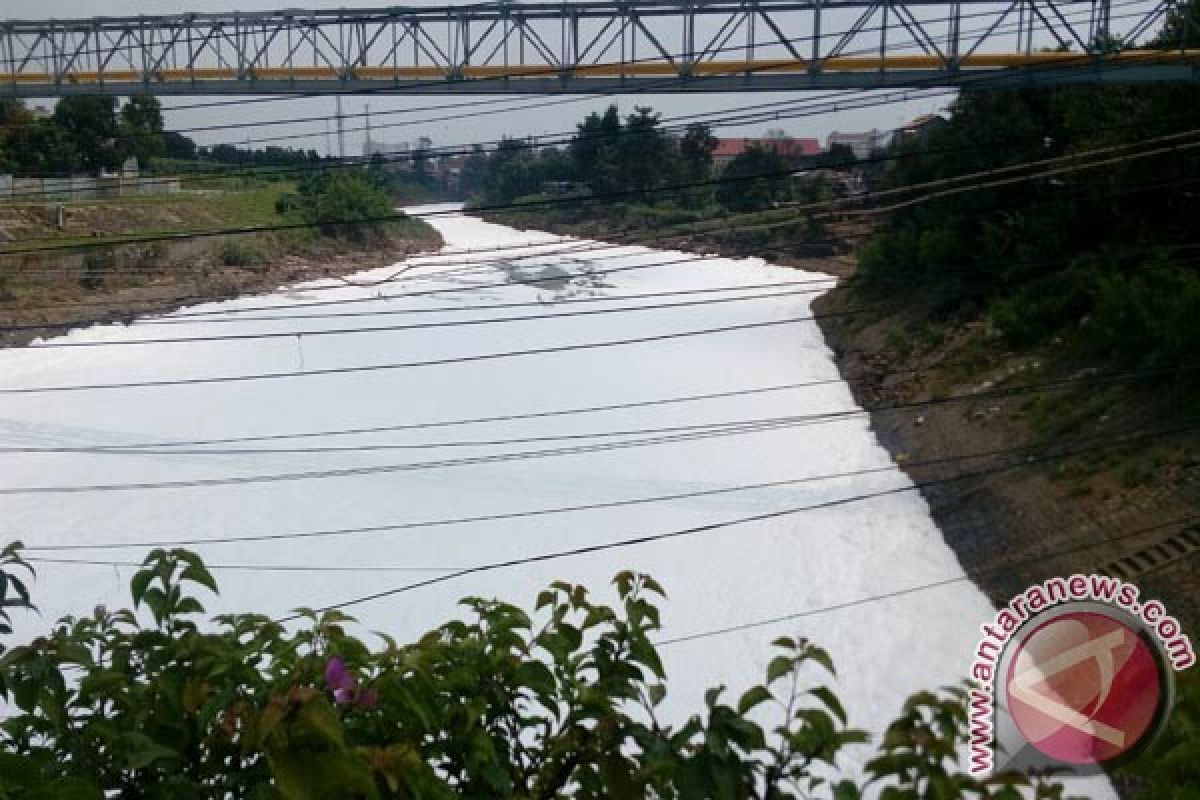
<point>47,293</point>
<point>792,244</point>
<point>1107,508</point>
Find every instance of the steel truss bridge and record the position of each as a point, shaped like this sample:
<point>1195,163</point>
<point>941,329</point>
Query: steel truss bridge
<point>596,46</point>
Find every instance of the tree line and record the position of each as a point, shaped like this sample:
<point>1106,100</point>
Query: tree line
<point>1101,260</point>
<point>89,133</point>
<point>636,160</point>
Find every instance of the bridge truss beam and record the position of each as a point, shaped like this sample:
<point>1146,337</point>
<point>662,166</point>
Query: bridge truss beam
<point>594,46</point>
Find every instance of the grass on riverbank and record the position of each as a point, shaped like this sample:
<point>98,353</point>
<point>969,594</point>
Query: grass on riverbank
<point>109,279</point>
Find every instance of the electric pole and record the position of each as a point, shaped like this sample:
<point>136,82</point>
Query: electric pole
<point>341,130</point>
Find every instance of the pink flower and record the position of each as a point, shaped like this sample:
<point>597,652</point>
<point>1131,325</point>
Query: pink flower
<point>339,679</point>
<point>345,686</point>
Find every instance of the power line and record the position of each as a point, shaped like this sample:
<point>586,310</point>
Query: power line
<point>1074,157</point>
<point>319,332</point>
<point>407,467</point>
<point>612,195</point>
<point>524,514</point>
<point>690,531</point>
<point>248,567</point>
<point>507,417</point>
<point>225,317</point>
<point>173,447</point>
<point>964,577</point>
<point>402,364</point>
<point>734,425</point>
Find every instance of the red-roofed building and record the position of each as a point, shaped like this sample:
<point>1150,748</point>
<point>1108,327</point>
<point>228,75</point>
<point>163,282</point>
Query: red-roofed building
<point>729,149</point>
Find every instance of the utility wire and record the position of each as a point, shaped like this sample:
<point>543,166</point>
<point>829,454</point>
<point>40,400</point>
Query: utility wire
<point>179,447</point>
<point>576,246</point>
<point>225,318</point>
<point>354,472</point>
<point>430,362</point>
<point>695,530</point>
<point>319,332</point>
<point>821,205</point>
<point>1109,438</point>
<point>964,577</point>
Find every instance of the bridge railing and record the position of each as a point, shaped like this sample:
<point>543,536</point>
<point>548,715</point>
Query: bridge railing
<point>582,46</point>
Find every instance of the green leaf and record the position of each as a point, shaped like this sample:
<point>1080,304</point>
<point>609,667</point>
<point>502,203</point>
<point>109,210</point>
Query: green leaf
<point>754,696</point>
<point>198,573</point>
<point>318,716</point>
<point>189,605</point>
<point>846,790</point>
<point>144,751</point>
<point>779,666</point>
<point>642,651</point>
<point>137,586</point>
<point>830,700</point>
<point>536,676</point>
<point>71,789</point>
<point>821,656</point>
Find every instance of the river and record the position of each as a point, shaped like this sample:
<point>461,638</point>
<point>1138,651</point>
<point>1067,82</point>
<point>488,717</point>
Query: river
<point>723,578</point>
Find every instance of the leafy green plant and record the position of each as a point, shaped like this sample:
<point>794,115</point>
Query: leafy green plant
<point>150,703</point>
<point>239,253</point>
<point>97,265</point>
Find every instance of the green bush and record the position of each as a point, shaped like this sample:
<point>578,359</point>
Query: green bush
<point>1036,311</point>
<point>97,267</point>
<point>287,202</point>
<point>1148,316</point>
<point>345,203</point>
<point>152,703</point>
<point>239,253</point>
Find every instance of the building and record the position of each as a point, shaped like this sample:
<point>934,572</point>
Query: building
<point>863,144</point>
<point>729,149</point>
<point>385,149</point>
<point>920,127</point>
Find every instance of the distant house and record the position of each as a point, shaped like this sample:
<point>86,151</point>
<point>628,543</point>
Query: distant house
<point>863,143</point>
<point>729,149</point>
<point>394,153</point>
<point>920,127</point>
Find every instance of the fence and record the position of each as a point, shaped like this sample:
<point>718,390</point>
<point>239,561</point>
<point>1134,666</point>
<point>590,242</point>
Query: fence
<point>83,187</point>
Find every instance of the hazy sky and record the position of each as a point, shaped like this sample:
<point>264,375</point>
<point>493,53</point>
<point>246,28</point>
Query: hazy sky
<point>390,128</point>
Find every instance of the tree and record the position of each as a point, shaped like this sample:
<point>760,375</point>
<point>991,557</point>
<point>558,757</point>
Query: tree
<point>90,124</point>
<point>754,180</point>
<point>838,156</point>
<point>141,128</point>
<point>594,150</point>
<point>150,703</point>
<point>645,159</point>
<point>41,147</point>
<point>344,203</point>
<point>1181,28</point>
<point>176,145</point>
<point>474,171</point>
<point>696,161</point>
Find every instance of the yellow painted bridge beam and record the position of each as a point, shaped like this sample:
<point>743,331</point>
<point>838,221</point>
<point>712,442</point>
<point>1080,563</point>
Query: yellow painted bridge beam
<point>612,70</point>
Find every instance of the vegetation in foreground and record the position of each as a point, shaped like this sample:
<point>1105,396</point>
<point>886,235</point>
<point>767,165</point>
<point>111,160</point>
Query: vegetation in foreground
<point>154,702</point>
